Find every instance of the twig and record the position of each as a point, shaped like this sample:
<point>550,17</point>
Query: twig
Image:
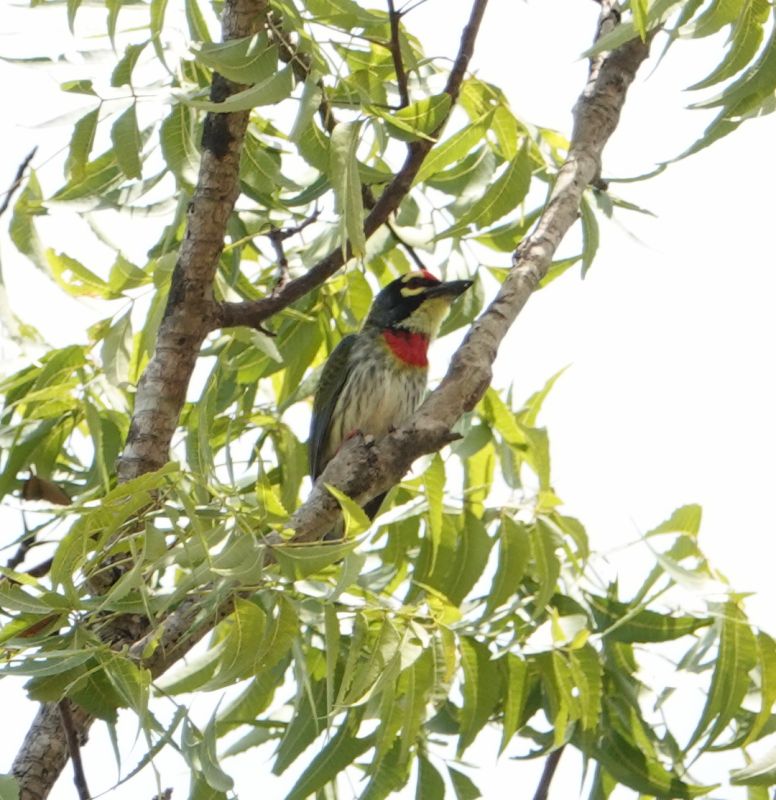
<point>254,312</point>
<point>395,47</point>
<point>277,236</point>
<point>300,64</point>
<point>79,777</point>
<point>17,180</point>
<point>550,765</point>
<point>408,247</point>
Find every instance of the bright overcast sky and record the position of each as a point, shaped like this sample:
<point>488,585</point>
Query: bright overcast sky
<point>670,396</point>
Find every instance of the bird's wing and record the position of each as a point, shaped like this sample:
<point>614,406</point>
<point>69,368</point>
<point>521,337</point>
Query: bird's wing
<point>335,373</point>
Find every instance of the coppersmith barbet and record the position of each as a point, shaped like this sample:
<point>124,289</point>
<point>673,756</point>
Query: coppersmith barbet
<point>375,379</point>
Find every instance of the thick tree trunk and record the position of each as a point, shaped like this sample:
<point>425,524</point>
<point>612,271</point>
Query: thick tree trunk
<point>162,389</point>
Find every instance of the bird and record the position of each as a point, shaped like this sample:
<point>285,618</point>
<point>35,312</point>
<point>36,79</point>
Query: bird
<point>375,379</point>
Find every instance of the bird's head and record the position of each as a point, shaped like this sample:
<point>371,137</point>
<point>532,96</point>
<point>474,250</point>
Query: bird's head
<point>416,302</point>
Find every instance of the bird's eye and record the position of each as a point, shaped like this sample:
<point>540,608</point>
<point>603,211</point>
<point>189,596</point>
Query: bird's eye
<point>415,283</point>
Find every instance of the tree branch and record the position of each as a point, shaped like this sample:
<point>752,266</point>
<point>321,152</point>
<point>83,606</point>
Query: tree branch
<point>550,765</point>
<point>161,391</point>
<point>74,749</point>
<point>395,46</point>
<point>189,315</point>
<point>253,313</point>
<point>16,182</point>
<point>364,469</point>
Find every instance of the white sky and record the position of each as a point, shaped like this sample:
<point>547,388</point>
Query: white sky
<point>670,394</point>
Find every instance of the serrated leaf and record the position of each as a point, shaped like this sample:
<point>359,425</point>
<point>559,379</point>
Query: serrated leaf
<point>766,661</point>
<point>744,43</point>
<point>463,786</point>
<point>337,754</point>
<point>81,143</point>
<point>125,136</point>
<point>481,689</point>
<point>418,120</point>
<point>430,785</point>
<point>309,103</point>
<point>639,11</point>
<point>546,566</point>
<point>179,146</point>
<point>513,557</point>
<point>501,197</point>
<point>686,519</point>
<point>122,73</point>
<point>249,60</point>
<point>356,519</point>
<point>268,92</point>
<point>517,689</point>
<point>730,680</point>
<point>343,171</point>
<point>434,481</point>
<point>454,149</point>
<point>621,622</point>
<point>630,766</point>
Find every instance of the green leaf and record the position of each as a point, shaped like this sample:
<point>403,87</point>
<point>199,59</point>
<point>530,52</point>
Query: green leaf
<point>730,681</point>
<point>546,567</point>
<point>586,670</point>
<point>481,689</point>
<point>454,149</point>
<point>298,561</point>
<point>343,170</point>
<point>339,752</point>
<point>419,120</point>
<point>9,788</point>
<point>116,350</point>
<point>590,235</point>
<point>630,766</point>
<point>356,519</point>
<point>306,723</point>
<point>517,689</point>
<point>471,558</point>
<point>766,661</point>
<point>250,60</point>
<point>81,143</point>
<point>715,17</point>
<point>621,622</point>
<point>127,144</point>
<point>501,197</point>
<point>639,11</point>
<point>268,92</point>
<point>686,519</point>
<point>309,103</point>
<point>179,146</point>
<point>430,785</point>
<point>122,73</point>
<point>463,785</point>
<point>761,772</point>
<point>434,480</point>
<point>513,557</point>
<point>744,43</point>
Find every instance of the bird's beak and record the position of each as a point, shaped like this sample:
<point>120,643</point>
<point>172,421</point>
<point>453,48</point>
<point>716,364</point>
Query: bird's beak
<point>448,289</point>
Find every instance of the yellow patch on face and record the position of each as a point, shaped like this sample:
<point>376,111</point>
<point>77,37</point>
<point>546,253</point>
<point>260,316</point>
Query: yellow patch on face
<point>427,318</point>
<point>411,291</point>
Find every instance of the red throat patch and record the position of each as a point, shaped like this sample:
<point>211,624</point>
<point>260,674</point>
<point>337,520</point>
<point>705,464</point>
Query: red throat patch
<point>407,346</point>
